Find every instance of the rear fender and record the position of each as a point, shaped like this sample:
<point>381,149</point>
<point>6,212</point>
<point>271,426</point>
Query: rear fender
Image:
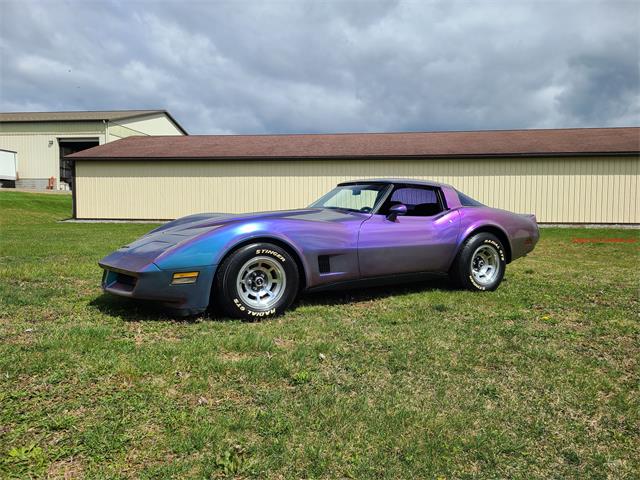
<point>485,226</point>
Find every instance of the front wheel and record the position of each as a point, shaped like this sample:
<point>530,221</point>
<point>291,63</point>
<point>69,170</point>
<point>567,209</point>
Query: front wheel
<point>480,264</point>
<point>256,281</point>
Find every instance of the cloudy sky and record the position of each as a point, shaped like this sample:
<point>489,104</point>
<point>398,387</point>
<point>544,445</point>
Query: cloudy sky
<point>328,66</point>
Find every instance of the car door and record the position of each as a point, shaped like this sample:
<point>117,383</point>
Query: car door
<point>423,240</point>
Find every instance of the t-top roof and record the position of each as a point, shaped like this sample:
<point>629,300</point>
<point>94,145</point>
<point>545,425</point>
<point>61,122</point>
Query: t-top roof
<point>576,141</point>
<point>78,116</point>
<point>399,181</point>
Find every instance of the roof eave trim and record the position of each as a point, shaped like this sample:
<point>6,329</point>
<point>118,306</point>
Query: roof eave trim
<point>77,156</point>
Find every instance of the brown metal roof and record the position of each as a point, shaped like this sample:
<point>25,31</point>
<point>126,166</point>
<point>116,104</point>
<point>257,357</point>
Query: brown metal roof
<point>87,116</point>
<point>577,141</point>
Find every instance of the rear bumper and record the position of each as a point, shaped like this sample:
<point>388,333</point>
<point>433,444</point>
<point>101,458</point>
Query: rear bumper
<point>523,241</point>
<point>149,282</point>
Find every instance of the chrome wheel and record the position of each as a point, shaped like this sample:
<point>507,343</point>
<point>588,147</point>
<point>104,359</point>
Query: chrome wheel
<point>485,265</point>
<point>261,283</point>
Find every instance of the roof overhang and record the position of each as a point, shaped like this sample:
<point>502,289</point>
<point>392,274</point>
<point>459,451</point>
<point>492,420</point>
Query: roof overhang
<point>418,145</point>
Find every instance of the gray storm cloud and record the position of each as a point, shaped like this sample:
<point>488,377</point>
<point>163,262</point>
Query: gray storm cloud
<point>296,66</point>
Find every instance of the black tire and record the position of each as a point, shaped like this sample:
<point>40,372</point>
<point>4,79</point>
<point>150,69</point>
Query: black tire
<point>237,297</point>
<point>481,245</point>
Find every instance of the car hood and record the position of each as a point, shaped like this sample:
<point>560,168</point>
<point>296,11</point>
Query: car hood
<point>200,223</point>
<point>143,251</point>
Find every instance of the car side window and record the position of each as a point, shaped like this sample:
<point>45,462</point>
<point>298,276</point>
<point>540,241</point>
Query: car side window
<point>420,201</point>
<point>467,201</point>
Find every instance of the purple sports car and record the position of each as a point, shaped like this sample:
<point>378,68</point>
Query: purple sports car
<point>254,265</point>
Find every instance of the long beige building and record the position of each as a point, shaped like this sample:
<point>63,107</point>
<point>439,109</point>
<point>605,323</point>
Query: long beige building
<point>41,140</point>
<point>563,176</point>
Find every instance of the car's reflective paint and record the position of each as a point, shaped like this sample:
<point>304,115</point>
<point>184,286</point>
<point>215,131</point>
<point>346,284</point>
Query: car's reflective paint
<point>360,246</point>
<point>408,245</point>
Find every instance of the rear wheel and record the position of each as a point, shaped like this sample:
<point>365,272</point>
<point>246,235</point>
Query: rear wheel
<point>480,264</point>
<point>256,281</point>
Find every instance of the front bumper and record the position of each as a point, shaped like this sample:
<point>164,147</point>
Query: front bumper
<point>127,277</point>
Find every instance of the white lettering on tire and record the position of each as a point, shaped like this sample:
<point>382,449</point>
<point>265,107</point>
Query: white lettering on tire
<point>270,252</point>
<point>498,247</point>
<point>479,287</point>
<point>253,313</point>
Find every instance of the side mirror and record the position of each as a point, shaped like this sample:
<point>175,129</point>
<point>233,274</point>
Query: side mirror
<point>396,211</point>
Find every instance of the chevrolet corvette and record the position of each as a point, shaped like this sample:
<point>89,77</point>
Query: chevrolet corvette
<point>254,265</point>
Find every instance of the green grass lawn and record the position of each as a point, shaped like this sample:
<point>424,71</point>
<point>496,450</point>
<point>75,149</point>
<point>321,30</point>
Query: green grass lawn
<point>539,379</point>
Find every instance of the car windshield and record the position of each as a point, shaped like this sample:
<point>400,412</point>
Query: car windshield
<point>357,198</point>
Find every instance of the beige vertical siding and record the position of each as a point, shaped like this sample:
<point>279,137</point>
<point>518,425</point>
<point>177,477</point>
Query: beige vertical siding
<point>116,132</point>
<point>36,158</point>
<point>53,128</point>
<point>156,124</point>
<point>567,190</point>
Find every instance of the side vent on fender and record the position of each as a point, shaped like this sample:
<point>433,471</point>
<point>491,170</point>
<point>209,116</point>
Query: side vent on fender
<point>324,265</point>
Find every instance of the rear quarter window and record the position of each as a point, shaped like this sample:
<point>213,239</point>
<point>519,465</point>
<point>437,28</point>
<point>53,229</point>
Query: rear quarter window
<point>467,201</point>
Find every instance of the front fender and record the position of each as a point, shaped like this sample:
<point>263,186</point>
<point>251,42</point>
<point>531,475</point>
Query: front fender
<point>268,236</point>
<point>210,248</point>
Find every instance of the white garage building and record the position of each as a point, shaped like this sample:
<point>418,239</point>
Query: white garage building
<point>41,139</point>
